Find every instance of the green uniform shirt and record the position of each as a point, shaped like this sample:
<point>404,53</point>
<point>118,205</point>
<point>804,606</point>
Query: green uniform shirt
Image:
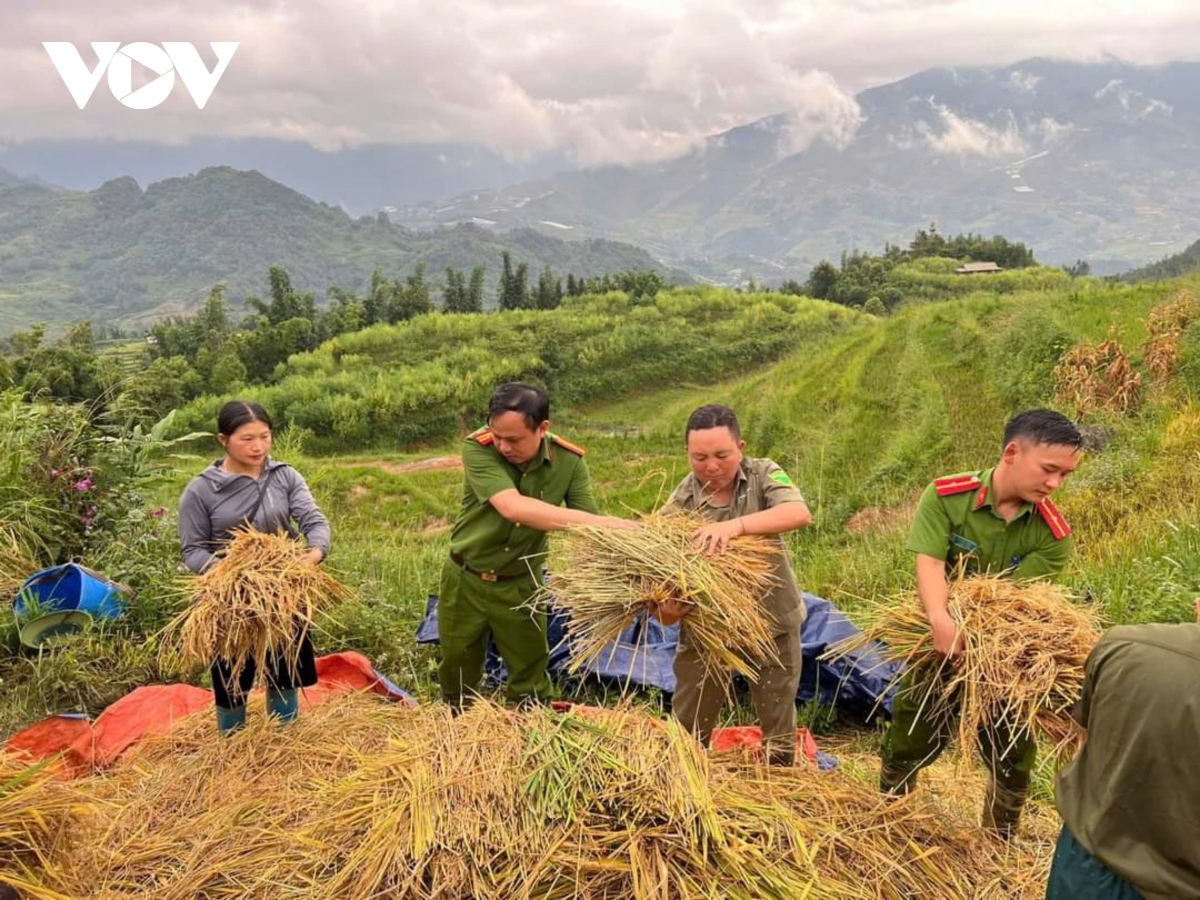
<point>760,484</point>
<point>1132,795</point>
<point>486,540</point>
<point>966,524</point>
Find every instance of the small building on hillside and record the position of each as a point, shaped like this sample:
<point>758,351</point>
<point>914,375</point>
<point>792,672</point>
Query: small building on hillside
<point>977,268</point>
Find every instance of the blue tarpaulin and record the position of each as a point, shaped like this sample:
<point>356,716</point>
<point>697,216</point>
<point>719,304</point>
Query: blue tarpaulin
<point>645,652</point>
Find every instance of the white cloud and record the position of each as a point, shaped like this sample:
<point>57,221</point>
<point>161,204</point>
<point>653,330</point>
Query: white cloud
<point>961,136</point>
<point>604,80</point>
<point>1052,130</point>
<point>828,113</point>
<point>1127,98</point>
<point>1116,88</point>
<point>1024,81</point>
<point>903,143</point>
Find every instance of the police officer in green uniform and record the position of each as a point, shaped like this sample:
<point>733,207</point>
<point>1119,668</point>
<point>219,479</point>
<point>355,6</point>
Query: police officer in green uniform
<point>740,495</point>
<point>998,521</point>
<point>517,479</point>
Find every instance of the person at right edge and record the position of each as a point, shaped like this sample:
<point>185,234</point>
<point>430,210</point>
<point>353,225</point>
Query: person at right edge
<point>998,521</point>
<point>1130,800</point>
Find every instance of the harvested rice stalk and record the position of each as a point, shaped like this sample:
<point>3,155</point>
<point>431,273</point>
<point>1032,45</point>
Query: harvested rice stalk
<point>31,814</point>
<point>1022,667</point>
<point>362,799</point>
<point>261,596</point>
<point>1093,377</point>
<point>604,578</point>
<point>1165,326</point>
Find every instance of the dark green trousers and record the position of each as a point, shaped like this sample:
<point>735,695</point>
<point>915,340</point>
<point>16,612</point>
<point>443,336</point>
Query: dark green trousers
<point>470,611</point>
<point>915,739</point>
<point>1077,875</point>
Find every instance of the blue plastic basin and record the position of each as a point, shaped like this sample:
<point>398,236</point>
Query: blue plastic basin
<point>67,588</point>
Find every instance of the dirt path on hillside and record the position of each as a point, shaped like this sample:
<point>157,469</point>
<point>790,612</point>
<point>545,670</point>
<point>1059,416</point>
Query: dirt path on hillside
<point>417,465</point>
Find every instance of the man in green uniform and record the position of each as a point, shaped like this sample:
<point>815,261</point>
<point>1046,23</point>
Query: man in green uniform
<point>740,495</point>
<point>517,478</point>
<point>997,521</point>
<point>1130,801</point>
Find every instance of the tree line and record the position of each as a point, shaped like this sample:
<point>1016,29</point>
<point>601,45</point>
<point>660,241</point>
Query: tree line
<point>213,351</point>
<point>862,279</point>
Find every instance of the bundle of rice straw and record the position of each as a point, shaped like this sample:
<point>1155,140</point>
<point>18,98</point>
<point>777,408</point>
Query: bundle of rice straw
<point>1022,667</point>
<point>604,578</point>
<point>29,821</point>
<point>359,798</point>
<point>260,596</point>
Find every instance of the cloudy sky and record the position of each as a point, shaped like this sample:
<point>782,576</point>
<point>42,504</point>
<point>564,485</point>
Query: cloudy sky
<point>601,80</point>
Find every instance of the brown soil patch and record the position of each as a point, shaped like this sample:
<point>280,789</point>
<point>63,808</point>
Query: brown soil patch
<point>436,525</point>
<point>883,518</point>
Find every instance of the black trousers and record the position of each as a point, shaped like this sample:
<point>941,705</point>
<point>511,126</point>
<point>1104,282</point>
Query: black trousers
<point>231,693</point>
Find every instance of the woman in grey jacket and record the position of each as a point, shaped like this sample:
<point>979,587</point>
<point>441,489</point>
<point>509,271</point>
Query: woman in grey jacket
<point>244,487</point>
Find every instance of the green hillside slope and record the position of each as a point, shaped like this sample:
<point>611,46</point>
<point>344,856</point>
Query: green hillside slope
<point>1181,263</point>
<point>123,255</point>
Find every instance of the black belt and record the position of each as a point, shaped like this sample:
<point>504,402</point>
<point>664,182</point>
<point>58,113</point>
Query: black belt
<point>489,577</point>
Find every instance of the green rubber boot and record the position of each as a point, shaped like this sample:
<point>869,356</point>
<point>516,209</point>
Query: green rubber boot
<point>895,781</point>
<point>1003,802</point>
<point>230,720</point>
<point>283,705</point>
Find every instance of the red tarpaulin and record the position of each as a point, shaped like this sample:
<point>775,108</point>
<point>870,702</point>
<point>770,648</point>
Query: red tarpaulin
<point>153,709</point>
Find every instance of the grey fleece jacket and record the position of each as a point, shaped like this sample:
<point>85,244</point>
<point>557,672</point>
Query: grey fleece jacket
<point>216,502</point>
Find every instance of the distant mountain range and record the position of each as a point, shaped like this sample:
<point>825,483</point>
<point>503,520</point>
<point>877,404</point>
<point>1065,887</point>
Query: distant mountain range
<point>1094,161</point>
<point>360,180</point>
<point>12,179</point>
<point>121,255</point>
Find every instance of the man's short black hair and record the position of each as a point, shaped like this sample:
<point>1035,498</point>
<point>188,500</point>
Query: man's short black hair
<point>529,400</point>
<point>713,416</point>
<point>1043,426</point>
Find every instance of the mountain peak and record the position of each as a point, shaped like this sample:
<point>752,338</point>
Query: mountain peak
<point>1094,160</point>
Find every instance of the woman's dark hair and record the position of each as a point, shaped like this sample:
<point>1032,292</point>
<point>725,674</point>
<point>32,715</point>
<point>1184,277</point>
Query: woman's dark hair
<point>527,399</point>
<point>236,413</point>
<point>714,415</point>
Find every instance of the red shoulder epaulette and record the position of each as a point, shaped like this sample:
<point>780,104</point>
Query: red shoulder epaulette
<point>956,484</point>
<point>483,436</point>
<point>567,445</point>
<point>1058,525</point>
